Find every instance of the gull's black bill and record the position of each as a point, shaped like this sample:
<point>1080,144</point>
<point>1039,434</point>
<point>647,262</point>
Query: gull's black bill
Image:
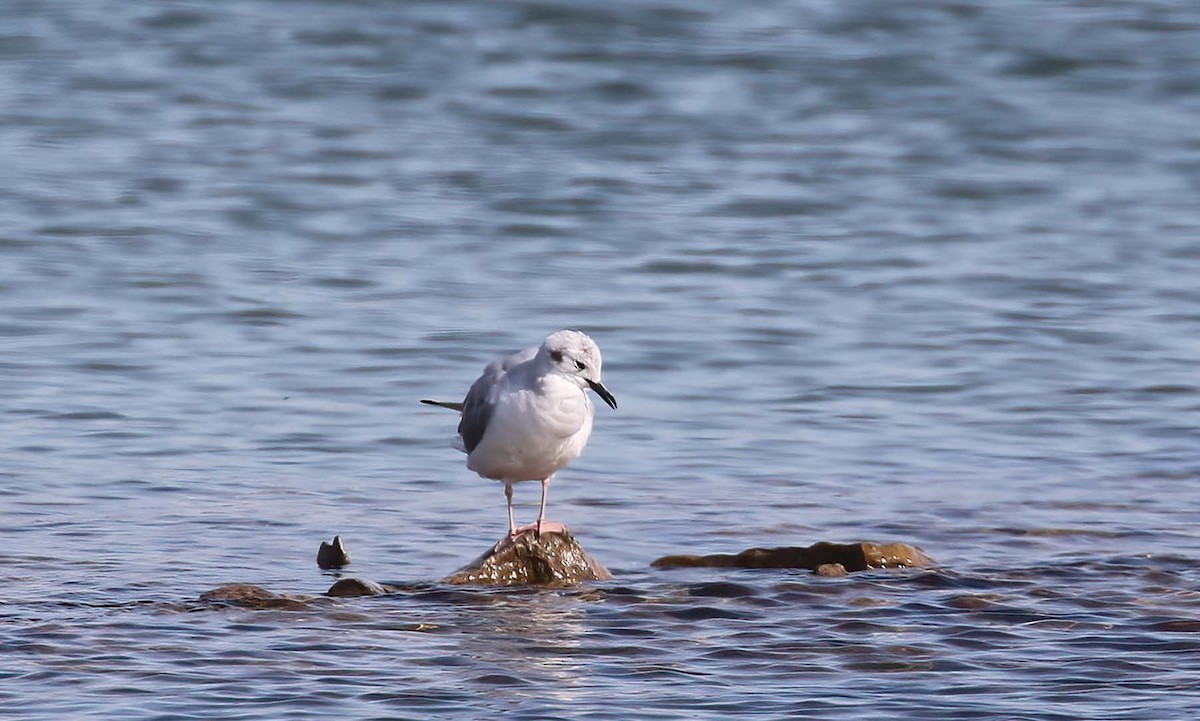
<point>604,394</point>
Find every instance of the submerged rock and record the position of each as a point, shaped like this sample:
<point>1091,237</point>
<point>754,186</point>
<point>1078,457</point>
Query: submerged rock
<point>832,570</point>
<point>551,559</point>
<point>851,556</point>
<point>248,595</point>
<point>355,587</point>
<point>332,555</point>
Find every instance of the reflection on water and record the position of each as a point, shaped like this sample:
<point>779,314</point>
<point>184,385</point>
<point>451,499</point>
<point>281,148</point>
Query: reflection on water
<point>919,272</point>
<point>529,635</point>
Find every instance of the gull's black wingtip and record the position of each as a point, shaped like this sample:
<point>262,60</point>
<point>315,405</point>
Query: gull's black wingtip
<point>443,404</point>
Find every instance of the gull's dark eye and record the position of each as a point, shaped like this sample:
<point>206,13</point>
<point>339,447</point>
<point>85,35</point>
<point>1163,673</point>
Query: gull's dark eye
<point>579,366</point>
<point>556,355</point>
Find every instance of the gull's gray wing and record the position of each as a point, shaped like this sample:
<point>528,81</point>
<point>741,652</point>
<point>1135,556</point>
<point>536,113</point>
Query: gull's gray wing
<point>481,399</point>
<point>477,411</point>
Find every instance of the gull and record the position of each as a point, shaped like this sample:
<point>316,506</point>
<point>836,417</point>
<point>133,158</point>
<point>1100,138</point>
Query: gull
<point>529,415</point>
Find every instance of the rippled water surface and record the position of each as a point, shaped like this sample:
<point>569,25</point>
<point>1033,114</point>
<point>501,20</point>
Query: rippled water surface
<point>920,271</point>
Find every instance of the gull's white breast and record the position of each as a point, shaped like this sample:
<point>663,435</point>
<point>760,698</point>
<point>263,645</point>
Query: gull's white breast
<point>533,432</point>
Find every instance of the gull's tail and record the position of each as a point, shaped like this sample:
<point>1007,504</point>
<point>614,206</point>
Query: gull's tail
<point>443,404</point>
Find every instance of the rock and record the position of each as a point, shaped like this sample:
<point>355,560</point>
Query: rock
<point>851,556</point>
<point>894,555</point>
<point>355,587</point>
<point>247,595</point>
<point>552,559</point>
<point>832,570</point>
<point>332,555</point>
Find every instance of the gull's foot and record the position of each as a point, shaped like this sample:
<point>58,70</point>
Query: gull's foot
<point>514,534</point>
<point>539,528</point>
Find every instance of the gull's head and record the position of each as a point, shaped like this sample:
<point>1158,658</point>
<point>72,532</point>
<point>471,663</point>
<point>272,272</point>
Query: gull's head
<point>576,356</point>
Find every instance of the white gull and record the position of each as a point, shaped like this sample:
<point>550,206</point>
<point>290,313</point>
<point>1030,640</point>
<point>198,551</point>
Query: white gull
<point>529,415</point>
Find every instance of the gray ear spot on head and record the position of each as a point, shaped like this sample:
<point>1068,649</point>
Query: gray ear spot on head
<point>556,355</point>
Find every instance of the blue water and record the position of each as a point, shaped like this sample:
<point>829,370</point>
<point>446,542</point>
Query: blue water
<point>921,272</point>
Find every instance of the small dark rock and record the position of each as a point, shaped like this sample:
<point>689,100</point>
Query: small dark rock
<point>551,559</point>
<point>247,595</point>
<point>971,602</point>
<point>851,556</point>
<point>355,587</point>
<point>332,555</point>
<point>832,570</point>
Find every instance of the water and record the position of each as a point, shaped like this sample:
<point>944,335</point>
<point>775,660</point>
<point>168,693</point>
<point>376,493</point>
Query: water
<point>919,272</point>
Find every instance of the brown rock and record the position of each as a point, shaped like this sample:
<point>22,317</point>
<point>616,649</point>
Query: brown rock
<point>247,595</point>
<point>552,559</point>
<point>831,569</point>
<point>894,555</point>
<point>851,556</point>
<point>355,587</point>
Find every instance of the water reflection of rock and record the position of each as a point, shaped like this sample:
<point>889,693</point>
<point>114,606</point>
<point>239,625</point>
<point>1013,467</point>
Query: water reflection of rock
<point>523,641</point>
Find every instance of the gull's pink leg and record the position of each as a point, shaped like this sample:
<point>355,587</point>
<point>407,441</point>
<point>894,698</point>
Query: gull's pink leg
<point>512,522</point>
<point>542,525</point>
<point>542,512</point>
